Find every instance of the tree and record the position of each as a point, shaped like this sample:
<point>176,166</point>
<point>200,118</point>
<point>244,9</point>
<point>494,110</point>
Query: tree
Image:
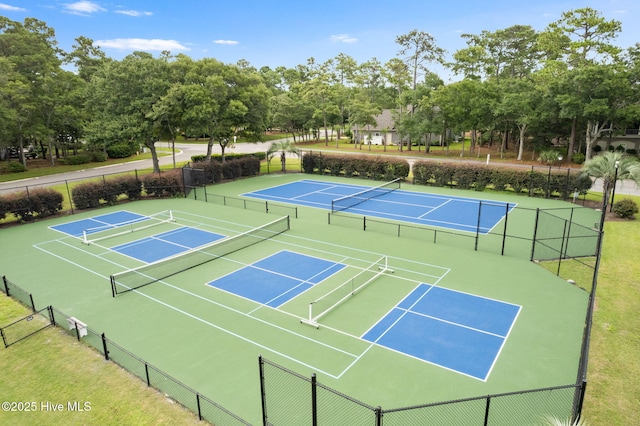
<point>319,91</point>
<point>517,105</point>
<point>604,167</point>
<point>121,97</point>
<point>282,148</point>
<point>579,38</point>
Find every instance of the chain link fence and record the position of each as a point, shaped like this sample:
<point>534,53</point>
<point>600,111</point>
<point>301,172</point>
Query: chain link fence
<point>291,399</point>
<point>205,408</point>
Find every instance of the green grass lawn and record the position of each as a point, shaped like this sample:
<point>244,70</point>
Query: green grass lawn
<point>52,367</point>
<point>613,389</point>
<point>42,167</point>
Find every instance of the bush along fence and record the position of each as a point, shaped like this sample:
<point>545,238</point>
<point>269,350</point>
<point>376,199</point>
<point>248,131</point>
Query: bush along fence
<point>538,182</point>
<point>361,166</point>
<point>32,202</point>
<point>203,407</point>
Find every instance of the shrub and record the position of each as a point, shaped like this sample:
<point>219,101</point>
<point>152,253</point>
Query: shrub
<point>231,169</point>
<point>119,151</point>
<point>26,206</point>
<point>4,207</point>
<point>163,184</point>
<point>632,151</point>
<point>98,156</point>
<point>549,156</point>
<point>16,167</point>
<point>125,185</point>
<point>87,195</point>
<point>212,170</point>
<point>78,159</point>
<point>597,148</point>
<point>378,168</point>
<point>47,200</point>
<point>578,158</point>
<point>626,209</point>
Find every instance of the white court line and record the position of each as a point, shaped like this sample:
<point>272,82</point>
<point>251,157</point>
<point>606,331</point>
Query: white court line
<point>435,208</point>
<point>277,352</point>
<point>307,248</point>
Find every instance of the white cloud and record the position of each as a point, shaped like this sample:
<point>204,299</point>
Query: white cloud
<point>134,13</point>
<point>141,44</point>
<point>343,38</point>
<point>228,42</point>
<point>10,8</point>
<point>83,8</point>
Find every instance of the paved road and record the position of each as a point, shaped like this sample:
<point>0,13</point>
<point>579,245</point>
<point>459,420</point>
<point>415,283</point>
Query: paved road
<point>184,152</point>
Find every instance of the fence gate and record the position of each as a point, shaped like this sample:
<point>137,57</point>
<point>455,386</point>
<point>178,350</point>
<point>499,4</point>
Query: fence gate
<point>27,326</point>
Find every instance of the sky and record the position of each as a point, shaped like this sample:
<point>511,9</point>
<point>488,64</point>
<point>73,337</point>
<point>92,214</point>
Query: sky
<point>289,32</point>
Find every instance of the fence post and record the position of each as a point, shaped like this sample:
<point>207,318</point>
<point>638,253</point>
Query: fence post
<point>51,317</point>
<point>104,347</point>
<point>486,411</point>
<point>577,409</point>
<point>314,401</point>
<point>6,285</point>
<point>198,404</point>
<point>263,395</point>
<point>535,233</point>
<point>66,183</point>
<point>146,372</point>
<point>378,412</point>
<point>33,305</point>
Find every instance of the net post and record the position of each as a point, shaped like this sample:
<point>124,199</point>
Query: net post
<point>504,233</point>
<point>478,226</point>
<point>171,218</point>
<point>84,237</point>
<point>113,286</point>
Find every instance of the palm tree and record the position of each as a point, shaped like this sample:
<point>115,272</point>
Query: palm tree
<point>611,167</point>
<point>283,148</point>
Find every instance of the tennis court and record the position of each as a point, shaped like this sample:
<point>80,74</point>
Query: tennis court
<point>389,202</point>
<point>414,321</point>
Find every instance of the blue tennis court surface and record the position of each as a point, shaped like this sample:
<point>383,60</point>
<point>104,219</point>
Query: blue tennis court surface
<point>457,331</point>
<point>148,249</point>
<point>166,244</point>
<point>277,279</point>
<point>426,209</point>
<point>102,222</point>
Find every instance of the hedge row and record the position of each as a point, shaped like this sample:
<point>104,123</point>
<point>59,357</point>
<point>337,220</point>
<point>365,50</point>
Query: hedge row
<point>465,176</point>
<point>362,166</point>
<point>242,166</point>
<point>28,205</point>
<point>94,194</point>
<point>217,157</point>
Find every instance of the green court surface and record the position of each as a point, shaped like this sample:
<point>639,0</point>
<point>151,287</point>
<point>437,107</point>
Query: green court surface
<point>210,339</point>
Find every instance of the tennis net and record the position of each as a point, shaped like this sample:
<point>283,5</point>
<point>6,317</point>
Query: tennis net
<point>352,200</point>
<point>93,235</point>
<point>325,304</point>
<point>141,276</point>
